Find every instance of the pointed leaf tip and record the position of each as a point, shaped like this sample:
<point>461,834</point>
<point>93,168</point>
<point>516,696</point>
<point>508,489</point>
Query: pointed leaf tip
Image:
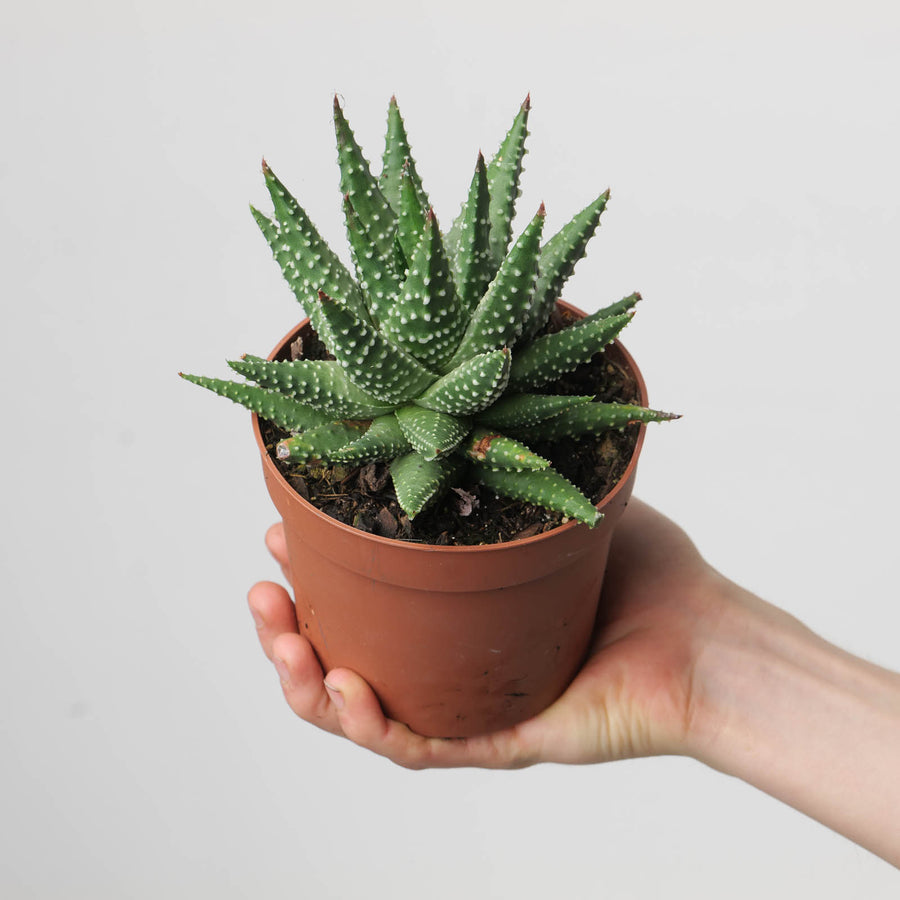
<point>265,167</point>
<point>542,211</point>
<point>527,104</point>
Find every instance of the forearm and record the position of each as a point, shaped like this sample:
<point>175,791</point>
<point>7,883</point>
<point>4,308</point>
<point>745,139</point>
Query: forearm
<point>782,709</point>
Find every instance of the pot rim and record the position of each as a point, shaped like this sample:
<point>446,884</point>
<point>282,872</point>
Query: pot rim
<point>414,546</point>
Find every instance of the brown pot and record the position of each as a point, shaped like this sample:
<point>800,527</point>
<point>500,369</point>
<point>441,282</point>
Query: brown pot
<point>455,641</point>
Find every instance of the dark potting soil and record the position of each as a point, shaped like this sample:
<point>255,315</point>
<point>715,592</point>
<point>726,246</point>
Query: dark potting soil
<point>363,496</point>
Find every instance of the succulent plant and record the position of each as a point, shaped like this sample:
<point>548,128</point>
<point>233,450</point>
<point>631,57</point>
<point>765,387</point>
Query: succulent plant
<point>440,366</point>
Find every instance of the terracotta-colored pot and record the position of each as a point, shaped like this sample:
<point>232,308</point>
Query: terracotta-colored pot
<point>455,641</point>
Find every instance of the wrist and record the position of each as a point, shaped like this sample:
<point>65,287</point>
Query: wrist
<point>743,658</point>
<point>780,708</point>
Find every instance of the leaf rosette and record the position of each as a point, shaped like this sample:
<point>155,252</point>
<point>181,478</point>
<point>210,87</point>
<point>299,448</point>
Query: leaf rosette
<point>440,365</point>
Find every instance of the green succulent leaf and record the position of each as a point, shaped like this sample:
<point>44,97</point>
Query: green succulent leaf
<point>322,384</point>
<point>284,412</point>
<point>545,488</point>
<point>318,444</point>
<point>282,254</point>
<point>412,216</point>
<point>557,262</point>
<point>524,410</point>
<point>501,452</point>
<point>383,440</point>
<point>358,182</point>
<point>503,181</point>
<point>432,433</point>
<point>307,262</point>
<point>426,320</point>
<point>379,274</point>
<point>371,361</point>
<point>474,265</point>
<point>620,307</point>
<point>397,156</point>
<point>593,418</point>
<point>419,481</point>
<point>471,386</point>
<point>548,357</point>
<point>497,319</point>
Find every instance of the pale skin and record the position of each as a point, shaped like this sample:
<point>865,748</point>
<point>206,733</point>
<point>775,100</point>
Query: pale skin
<point>685,662</point>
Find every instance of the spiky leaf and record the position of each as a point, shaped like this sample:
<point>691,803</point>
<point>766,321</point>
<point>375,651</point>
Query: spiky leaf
<point>626,304</point>
<point>524,410</point>
<point>319,383</point>
<point>503,181</point>
<point>384,439</point>
<point>370,360</point>
<point>471,386</point>
<point>309,265</point>
<point>318,444</point>
<point>432,433</point>
<point>497,319</point>
<point>358,181</point>
<point>418,481</point>
<point>426,320</point>
<point>412,217</point>
<point>397,156</point>
<point>284,412</point>
<point>501,452</point>
<point>548,357</point>
<point>544,488</point>
<point>378,273</point>
<point>474,264</point>
<point>557,262</point>
<point>593,418</point>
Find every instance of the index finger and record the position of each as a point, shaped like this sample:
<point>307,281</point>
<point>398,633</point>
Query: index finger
<point>277,545</point>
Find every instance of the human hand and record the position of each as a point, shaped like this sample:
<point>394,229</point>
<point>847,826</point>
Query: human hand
<point>632,697</point>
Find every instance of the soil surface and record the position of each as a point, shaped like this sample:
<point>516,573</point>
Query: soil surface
<point>363,496</point>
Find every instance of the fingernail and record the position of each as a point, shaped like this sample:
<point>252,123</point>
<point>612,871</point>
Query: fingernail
<point>257,618</point>
<point>282,669</point>
<point>337,698</point>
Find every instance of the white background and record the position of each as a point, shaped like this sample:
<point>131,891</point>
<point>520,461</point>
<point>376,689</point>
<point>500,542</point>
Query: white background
<point>752,151</point>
